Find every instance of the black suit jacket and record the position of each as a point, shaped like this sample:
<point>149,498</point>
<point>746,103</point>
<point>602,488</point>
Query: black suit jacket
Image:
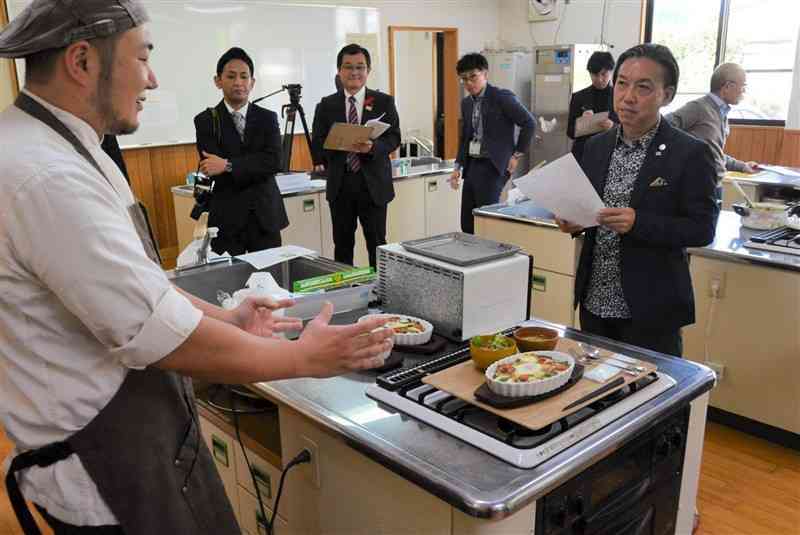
<point>501,111</point>
<point>255,161</point>
<point>587,99</point>
<point>376,165</point>
<point>675,208</point>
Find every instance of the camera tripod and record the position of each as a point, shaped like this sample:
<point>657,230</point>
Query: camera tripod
<point>289,113</point>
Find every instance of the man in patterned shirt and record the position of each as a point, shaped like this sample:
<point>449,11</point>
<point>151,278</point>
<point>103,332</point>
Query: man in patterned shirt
<point>633,282</point>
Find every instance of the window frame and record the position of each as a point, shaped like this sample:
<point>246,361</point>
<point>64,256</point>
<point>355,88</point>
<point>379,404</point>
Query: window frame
<point>722,41</point>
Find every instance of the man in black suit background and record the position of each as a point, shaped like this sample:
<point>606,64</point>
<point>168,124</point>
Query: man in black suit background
<point>240,147</point>
<point>633,282</point>
<point>359,182</point>
<point>596,98</point>
<point>487,152</point>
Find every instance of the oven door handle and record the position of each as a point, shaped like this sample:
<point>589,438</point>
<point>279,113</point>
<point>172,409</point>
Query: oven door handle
<point>621,503</point>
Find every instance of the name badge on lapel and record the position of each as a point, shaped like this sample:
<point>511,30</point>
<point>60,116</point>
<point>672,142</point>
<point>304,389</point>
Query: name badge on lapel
<point>475,148</point>
<point>659,183</point>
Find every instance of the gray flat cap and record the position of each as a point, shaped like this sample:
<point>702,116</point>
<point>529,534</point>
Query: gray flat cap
<point>47,24</point>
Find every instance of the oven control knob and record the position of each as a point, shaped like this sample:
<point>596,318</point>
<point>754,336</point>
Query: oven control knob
<point>559,516</point>
<point>577,505</point>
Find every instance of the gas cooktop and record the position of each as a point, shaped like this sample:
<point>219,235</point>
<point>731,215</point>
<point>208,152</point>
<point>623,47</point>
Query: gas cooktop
<point>404,391</point>
<point>783,240</point>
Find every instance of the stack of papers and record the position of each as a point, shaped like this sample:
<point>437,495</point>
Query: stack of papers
<point>343,136</point>
<point>562,188</point>
<point>292,182</point>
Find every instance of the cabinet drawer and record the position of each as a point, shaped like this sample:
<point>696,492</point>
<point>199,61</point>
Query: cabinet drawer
<point>266,475</point>
<point>222,448</point>
<point>552,249</point>
<point>304,216</point>
<point>250,519</point>
<point>551,297</point>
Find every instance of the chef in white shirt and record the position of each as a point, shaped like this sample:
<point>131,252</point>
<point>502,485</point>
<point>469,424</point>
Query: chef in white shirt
<point>95,342</point>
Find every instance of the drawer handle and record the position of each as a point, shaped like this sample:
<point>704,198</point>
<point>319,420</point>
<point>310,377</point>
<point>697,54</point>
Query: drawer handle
<point>264,483</point>
<point>309,205</point>
<point>539,283</point>
<point>433,186</point>
<point>220,449</point>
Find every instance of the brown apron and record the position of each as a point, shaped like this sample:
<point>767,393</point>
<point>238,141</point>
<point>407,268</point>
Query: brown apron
<point>143,450</point>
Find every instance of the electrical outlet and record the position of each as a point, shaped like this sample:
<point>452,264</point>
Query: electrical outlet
<point>311,468</point>
<point>718,368</point>
<point>716,279</point>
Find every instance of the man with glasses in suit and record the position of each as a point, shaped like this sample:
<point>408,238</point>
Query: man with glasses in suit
<point>359,184</point>
<point>487,152</point>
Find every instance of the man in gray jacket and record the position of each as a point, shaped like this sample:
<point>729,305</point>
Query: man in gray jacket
<point>706,118</point>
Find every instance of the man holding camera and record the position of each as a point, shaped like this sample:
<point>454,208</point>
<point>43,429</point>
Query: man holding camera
<point>240,148</point>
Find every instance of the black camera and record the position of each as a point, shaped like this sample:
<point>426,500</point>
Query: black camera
<point>203,186</point>
<point>294,91</point>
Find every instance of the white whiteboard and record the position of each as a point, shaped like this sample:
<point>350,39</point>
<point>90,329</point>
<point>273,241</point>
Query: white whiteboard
<point>289,44</point>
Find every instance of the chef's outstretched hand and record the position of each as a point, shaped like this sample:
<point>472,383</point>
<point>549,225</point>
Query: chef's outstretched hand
<point>326,350</point>
<point>620,220</point>
<point>257,315</point>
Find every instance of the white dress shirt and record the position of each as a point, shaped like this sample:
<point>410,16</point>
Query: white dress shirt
<point>242,110</point>
<point>359,104</point>
<point>80,302</point>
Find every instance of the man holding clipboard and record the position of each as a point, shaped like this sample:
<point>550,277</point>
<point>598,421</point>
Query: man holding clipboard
<point>357,162</point>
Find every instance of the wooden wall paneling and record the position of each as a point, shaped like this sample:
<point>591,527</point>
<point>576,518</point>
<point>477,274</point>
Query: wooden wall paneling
<point>790,150</point>
<point>452,102</point>
<point>759,143</point>
<point>301,154</point>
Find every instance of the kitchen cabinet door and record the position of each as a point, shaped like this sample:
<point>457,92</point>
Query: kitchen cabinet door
<point>222,448</point>
<point>251,520</point>
<point>304,222</point>
<point>551,297</point>
<point>405,219</point>
<point>442,206</point>
<point>267,476</point>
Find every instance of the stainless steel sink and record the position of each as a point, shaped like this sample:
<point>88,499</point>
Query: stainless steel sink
<point>205,281</point>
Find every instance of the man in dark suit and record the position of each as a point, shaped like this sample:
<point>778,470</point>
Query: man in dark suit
<point>487,153</point>
<point>633,282</point>
<point>359,182</point>
<point>240,147</point>
<point>596,98</point>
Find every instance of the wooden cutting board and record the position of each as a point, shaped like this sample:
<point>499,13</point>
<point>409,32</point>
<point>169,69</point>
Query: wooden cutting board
<point>463,379</point>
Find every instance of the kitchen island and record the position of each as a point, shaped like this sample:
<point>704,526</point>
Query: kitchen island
<point>379,470</point>
<point>751,329</point>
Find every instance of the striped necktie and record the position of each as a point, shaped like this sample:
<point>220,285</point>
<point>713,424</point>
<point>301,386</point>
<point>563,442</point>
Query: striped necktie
<point>352,117</point>
<point>238,122</point>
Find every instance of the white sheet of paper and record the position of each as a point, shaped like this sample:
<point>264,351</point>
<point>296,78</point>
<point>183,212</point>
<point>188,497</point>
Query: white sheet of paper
<point>378,128</point>
<point>780,170</point>
<point>276,255</point>
<point>562,188</point>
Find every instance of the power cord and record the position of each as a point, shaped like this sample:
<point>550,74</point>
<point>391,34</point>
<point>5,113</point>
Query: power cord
<point>302,457</point>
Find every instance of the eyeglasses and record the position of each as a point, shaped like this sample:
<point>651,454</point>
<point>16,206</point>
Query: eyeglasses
<point>356,68</point>
<point>470,78</point>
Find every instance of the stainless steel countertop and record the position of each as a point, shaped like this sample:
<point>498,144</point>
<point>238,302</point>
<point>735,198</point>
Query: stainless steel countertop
<point>412,172</point>
<point>458,473</point>
<point>767,178</point>
<point>728,243</point>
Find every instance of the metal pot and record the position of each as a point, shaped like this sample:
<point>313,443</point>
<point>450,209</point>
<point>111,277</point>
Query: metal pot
<point>763,215</point>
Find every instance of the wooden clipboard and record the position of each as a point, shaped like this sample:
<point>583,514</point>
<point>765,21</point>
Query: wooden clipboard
<point>343,136</point>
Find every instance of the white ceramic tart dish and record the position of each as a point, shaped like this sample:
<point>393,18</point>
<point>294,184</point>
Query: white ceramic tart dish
<point>408,330</point>
<point>529,374</point>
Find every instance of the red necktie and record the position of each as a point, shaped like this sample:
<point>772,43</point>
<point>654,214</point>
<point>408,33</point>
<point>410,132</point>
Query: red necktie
<point>352,117</point>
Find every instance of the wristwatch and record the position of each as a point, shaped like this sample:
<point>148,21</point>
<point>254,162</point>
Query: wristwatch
<point>228,166</point>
